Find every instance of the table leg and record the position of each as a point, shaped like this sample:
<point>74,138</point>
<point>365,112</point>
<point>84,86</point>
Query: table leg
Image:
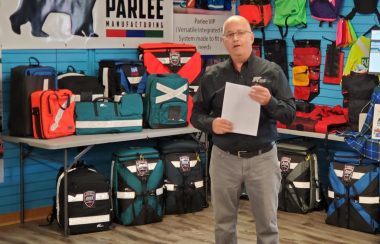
<point>65,208</point>
<point>22,210</point>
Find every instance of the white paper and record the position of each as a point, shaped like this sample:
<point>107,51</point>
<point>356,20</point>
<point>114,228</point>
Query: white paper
<point>240,109</point>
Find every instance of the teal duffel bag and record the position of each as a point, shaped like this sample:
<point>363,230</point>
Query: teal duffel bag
<point>137,186</point>
<point>105,115</point>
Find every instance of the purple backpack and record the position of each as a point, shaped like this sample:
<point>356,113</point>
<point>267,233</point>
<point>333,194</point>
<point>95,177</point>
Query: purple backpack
<point>325,10</point>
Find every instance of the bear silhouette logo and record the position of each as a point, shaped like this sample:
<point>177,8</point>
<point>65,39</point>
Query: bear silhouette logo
<point>36,12</point>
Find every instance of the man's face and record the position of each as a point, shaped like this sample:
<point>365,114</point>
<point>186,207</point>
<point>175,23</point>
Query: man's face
<point>238,38</point>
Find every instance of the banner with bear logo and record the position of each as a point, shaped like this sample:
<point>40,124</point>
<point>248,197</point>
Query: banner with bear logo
<point>84,23</point>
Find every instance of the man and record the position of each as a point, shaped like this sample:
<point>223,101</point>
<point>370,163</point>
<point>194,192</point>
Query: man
<point>237,158</point>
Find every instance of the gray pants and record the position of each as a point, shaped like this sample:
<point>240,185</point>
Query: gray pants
<point>262,178</point>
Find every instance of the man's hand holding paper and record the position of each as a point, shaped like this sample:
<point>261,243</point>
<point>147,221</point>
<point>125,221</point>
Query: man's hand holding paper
<point>241,109</point>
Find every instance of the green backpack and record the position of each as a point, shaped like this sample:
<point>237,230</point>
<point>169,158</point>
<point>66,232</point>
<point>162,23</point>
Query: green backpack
<point>289,13</point>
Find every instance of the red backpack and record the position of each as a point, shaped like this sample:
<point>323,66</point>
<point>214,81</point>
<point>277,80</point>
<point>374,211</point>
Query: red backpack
<point>257,12</point>
<point>53,113</point>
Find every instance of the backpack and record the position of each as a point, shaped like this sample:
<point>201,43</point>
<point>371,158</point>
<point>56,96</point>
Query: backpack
<point>123,75</point>
<point>165,103</point>
<point>257,12</point>
<point>364,7</point>
<point>300,191</point>
<point>137,186</point>
<point>89,200</point>
<point>214,4</point>
<point>289,13</point>
<point>24,80</point>
<point>84,87</point>
<point>353,192</point>
<point>184,186</point>
<point>325,10</point>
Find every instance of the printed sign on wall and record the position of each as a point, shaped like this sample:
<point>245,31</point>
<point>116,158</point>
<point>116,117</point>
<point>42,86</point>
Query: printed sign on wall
<point>202,25</point>
<point>84,23</point>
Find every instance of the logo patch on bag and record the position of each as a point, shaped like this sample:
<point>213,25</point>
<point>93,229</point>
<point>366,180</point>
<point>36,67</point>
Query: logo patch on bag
<point>184,162</point>
<point>142,167</point>
<point>175,58</point>
<point>348,170</point>
<point>89,198</point>
<point>134,72</point>
<point>285,164</point>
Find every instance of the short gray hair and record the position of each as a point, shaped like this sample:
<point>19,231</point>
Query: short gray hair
<point>236,18</point>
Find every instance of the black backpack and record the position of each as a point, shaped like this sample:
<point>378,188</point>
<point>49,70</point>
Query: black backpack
<point>89,200</point>
<point>364,7</point>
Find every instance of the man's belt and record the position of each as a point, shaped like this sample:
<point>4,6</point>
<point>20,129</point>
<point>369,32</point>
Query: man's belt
<point>250,154</point>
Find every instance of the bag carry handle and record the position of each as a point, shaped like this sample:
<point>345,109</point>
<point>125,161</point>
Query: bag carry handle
<point>96,100</point>
<point>33,61</point>
<point>71,68</point>
<point>61,106</point>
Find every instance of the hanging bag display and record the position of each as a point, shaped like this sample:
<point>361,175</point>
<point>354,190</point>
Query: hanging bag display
<point>333,64</point>
<point>275,51</point>
<point>289,13</point>
<point>307,53</point>
<point>309,56</point>
<point>364,7</point>
<point>257,12</point>
<point>325,11</point>
<point>345,33</point>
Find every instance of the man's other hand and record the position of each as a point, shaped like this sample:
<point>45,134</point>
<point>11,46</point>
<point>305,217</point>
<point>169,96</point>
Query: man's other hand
<point>221,126</point>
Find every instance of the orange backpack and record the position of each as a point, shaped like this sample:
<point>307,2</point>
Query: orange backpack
<point>53,113</point>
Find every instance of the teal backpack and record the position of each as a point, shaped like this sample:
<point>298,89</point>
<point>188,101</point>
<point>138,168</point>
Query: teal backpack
<point>137,186</point>
<point>289,13</point>
<point>166,98</point>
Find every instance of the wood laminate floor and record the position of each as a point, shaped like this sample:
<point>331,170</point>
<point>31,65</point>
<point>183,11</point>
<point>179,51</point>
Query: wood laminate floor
<point>194,228</point>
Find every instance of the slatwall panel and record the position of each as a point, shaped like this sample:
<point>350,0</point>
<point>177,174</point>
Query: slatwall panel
<point>40,173</point>
<point>330,94</point>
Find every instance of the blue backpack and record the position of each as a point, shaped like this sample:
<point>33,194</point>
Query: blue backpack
<point>214,4</point>
<point>353,193</point>
<point>124,75</point>
<point>325,10</point>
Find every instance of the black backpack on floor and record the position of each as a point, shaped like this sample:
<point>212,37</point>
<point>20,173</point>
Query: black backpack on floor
<point>183,178</point>
<point>89,201</point>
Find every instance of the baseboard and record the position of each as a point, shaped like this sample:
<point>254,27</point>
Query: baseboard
<point>30,215</point>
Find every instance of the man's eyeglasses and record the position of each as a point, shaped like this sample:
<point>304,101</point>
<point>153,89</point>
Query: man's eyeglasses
<point>239,34</point>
